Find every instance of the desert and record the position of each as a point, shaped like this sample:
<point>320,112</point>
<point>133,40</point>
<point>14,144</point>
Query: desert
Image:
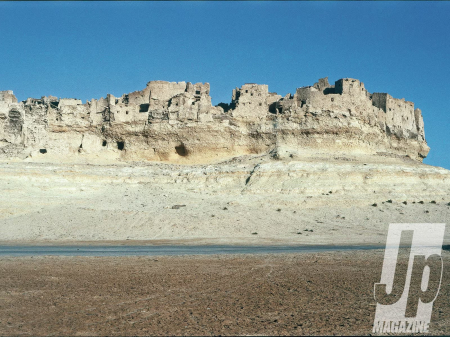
<point>216,204</point>
<point>164,164</point>
<point>224,168</point>
<point>331,166</point>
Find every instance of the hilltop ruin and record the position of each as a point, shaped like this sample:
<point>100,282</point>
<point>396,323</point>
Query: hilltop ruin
<point>176,122</point>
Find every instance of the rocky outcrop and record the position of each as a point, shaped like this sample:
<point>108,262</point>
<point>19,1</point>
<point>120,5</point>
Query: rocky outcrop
<point>176,122</point>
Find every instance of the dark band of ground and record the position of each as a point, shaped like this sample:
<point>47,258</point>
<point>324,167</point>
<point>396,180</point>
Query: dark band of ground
<point>283,294</point>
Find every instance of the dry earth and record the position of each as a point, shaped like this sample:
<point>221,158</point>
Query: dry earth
<point>246,200</point>
<point>289,294</point>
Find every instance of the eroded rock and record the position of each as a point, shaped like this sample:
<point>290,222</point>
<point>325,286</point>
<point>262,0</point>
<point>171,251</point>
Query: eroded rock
<point>176,122</point>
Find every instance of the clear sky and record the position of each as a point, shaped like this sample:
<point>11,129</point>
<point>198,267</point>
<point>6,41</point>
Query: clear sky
<point>88,49</point>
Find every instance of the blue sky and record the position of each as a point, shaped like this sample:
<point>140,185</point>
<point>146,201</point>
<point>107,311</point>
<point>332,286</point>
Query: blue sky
<point>87,49</point>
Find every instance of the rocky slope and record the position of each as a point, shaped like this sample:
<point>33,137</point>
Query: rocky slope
<point>250,199</point>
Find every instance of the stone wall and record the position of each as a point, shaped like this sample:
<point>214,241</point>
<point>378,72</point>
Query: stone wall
<point>171,121</point>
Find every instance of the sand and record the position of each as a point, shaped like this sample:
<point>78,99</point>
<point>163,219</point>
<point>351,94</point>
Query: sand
<point>248,200</point>
<point>251,200</point>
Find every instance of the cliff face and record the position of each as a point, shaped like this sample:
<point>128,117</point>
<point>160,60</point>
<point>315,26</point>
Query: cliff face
<point>175,122</point>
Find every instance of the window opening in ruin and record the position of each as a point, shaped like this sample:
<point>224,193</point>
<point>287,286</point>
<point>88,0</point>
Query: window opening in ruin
<point>43,151</point>
<point>127,112</point>
<point>246,91</point>
<point>181,150</point>
<point>260,104</point>
<point>104,143</point>
<point>197,92</point>
<point>251,94</point>
<point>144,107</point>
<point>193,103</point>
<point>120,145</point>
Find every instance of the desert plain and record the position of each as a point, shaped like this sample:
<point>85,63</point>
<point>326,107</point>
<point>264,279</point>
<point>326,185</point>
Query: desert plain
<point>247,200</point>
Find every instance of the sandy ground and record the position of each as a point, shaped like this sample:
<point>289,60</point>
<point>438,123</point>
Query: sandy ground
<point>250,200</point>
<point>247,200</point>
<point>286,294</point>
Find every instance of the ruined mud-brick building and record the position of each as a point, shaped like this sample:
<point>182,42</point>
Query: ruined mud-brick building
<point>176,122</point>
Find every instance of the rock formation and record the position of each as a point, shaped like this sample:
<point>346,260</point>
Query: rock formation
<point>176,122</point>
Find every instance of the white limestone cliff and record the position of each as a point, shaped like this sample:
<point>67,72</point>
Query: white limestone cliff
<point>176,122</point>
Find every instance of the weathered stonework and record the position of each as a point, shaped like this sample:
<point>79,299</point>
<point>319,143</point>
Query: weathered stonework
<point>170,121</point>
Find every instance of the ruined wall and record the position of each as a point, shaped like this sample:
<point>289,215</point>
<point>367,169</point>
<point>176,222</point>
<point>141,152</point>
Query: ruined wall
<point>349,102</point>
<point>250,101</point>
<point>7,97</point>
<point>399,116</point>
<point>171,121</point>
